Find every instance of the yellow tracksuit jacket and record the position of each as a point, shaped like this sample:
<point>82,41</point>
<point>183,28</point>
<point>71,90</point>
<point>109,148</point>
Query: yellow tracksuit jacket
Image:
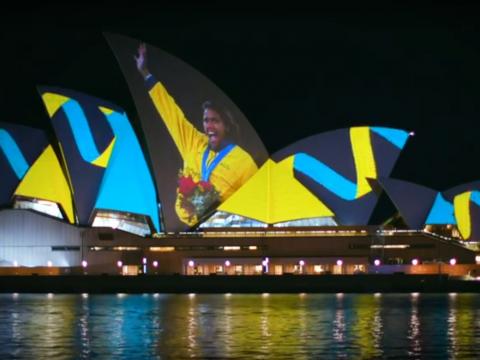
<point>231,173</point>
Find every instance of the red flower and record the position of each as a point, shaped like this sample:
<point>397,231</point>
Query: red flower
<point>186,185</point>
<point>205,185</point>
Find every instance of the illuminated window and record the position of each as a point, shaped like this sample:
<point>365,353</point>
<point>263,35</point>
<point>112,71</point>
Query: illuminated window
<point>278,269</point>
<point>162,248</point>
<point>223,219</point>
<point>126,248</point>
<point>258,269</point>
<point>321,221</point>
<point>132,223</point>
<point>358,269</point>
<point>393,246</point>
<point>41,206</point>
<point>318,269</point>
<point>231,248</point>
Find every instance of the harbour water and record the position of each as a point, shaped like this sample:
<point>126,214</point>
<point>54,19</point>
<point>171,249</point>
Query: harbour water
<point>239,326</point>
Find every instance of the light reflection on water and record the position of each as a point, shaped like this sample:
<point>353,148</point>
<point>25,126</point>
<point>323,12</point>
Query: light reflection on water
<point>303,326</point>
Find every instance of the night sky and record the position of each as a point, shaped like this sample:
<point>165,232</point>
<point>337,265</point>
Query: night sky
<point>293,72</point>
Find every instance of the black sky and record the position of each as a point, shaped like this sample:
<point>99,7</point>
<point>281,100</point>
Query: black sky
<point>294,72</point>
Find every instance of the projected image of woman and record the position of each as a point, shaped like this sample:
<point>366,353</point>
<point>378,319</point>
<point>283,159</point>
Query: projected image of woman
<point>213,165</point>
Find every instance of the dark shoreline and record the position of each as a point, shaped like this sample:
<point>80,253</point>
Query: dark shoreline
<point>369,283</point>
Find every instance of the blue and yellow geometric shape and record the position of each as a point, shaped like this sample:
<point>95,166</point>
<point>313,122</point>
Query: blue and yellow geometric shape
<point>106,165</point>
<point>338,167</point>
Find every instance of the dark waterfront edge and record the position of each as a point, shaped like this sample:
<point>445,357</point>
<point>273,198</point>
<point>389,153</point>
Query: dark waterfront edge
<point>237,284</point>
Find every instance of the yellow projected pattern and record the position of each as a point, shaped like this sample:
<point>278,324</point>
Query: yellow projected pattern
<point>273,195</point>
<point>461,205</point>
<point>53,102</point>
<point>45,180</point>
<point>364,159</point>
<point>104,157</point>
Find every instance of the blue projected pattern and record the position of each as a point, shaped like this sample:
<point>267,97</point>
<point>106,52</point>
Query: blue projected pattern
<point>13,154</point>
<point>127,184</point>
<point>394,136</point>
<point>326,176</point>
<point>442,212</point>
<point>81,130</point>
<point>475,197</point>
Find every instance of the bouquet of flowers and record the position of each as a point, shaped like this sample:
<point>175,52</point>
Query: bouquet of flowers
<point>196,197</point>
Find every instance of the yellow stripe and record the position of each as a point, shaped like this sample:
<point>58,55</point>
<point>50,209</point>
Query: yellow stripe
<point>461,206</point>
<point>364,158</point>
<point>53,102</point>
<point>104,157</point>
<point>105,110</point>
<point>45,180</point>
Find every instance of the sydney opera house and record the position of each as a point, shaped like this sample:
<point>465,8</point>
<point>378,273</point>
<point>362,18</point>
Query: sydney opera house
<point>186,188</point>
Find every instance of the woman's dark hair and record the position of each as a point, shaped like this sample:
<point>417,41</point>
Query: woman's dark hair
<point>231,127</point>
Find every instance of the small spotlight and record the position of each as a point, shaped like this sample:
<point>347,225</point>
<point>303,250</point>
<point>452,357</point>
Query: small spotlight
<point>415,262</point>
<point>144,261</point>
<point>119,263</point>
<point>84,263</point>
<point>227,263</point>
<point>377,262</point>
<point>411,133</point>
<point>191,263</point>
<point>453,261</point>
<point>301,263</point>
<point>339,262</point>
<point>49,263</point>
<point>155,263</point>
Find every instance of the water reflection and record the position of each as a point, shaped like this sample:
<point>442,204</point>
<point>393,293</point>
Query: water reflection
<point>414,331</point>
<point>240,326</point>
<point>367,328</point>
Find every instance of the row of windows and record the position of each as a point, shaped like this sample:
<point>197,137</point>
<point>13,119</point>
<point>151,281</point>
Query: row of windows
<point>180,248</point>
<point>391,246</point>
<point>65,248</point>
